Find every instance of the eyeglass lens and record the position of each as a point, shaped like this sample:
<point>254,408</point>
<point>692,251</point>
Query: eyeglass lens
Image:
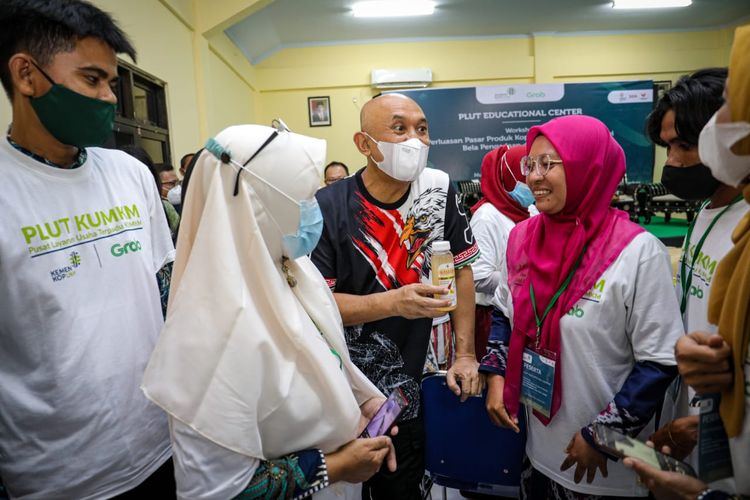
<point>541,164</point>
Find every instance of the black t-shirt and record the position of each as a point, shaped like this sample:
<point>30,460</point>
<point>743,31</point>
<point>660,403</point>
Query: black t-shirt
<point>370,247</point>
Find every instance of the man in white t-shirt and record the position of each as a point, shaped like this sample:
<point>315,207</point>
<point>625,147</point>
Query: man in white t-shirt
<point>82,240</point>
<point>711,363</point>
<point>676,123</point>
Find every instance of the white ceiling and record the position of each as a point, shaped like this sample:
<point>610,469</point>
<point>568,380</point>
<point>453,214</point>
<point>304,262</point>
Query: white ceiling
<point>304,23</point>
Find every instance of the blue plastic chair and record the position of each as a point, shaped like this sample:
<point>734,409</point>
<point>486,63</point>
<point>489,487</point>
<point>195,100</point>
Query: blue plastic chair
<point>463,449</point>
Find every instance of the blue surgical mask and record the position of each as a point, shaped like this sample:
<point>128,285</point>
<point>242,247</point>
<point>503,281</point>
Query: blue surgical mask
<point>521,194</point>
<point>308,231</point>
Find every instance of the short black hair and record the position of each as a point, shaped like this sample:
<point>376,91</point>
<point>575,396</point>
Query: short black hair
<point>45,28</point>
<point>335,164</point>
<point>185,160</point>
<point>164,167</point>
<point>188,174</point>
<point>694,99</point>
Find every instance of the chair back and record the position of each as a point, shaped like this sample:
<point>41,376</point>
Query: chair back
<point>464,449</point>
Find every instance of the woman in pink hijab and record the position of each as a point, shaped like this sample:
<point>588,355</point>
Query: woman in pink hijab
<point>594,314</point>
<point>507,201</point>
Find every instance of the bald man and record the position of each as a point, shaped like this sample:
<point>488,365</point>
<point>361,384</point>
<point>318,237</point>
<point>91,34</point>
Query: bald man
<point>379,226</point>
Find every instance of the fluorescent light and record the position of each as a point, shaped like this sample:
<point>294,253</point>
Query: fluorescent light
<point>649,4</point>
<point>392,8</point>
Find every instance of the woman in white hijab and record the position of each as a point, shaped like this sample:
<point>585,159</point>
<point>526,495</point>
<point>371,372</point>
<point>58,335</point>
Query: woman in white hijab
<point>252,365</point>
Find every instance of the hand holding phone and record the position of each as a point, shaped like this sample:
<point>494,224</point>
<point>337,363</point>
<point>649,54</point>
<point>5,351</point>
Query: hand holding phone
<point>386,416</point>
<point>620,445</point>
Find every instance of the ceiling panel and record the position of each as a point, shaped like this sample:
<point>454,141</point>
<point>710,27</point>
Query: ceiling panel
<point>304,23</point>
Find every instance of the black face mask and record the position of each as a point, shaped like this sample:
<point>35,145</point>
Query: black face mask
<point>689,183</point>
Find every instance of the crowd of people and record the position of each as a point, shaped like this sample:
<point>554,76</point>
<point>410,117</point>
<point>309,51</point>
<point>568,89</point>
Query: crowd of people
<point>247,361</point>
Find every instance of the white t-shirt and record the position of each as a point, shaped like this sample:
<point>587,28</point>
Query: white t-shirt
<point>491,229</point>
<point>629,315</point>
<point>79,316</point>
<point>715,247</point>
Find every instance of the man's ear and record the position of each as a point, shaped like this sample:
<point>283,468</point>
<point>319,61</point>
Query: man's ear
<point>22,75</point>
<point>363,145</point>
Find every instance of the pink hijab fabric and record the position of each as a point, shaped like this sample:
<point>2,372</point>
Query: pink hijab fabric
<point>496,182</point>
<point>544,249</point>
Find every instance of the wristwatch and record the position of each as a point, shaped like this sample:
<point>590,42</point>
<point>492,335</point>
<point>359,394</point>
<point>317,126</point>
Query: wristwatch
<point>709,494</point>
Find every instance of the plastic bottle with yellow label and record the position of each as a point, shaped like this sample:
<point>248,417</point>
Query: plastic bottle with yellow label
<point>443,272</point>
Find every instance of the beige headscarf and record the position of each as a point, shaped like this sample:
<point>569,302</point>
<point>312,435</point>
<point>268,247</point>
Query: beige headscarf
<point>245,359</point>
<point>739,83</point>
<point>729,302</point>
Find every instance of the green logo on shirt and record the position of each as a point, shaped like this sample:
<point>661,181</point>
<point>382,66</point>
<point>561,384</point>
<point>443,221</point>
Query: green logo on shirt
<point>129,247</point>
<point>75,259</point>
<point>59,274</point>
<point>576,312</point>
<point>596,292</point>
<point>65,232</point>
<point>705,266</point>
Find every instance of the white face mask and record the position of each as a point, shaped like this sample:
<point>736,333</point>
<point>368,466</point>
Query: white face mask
<point>403,161</point>
<point>714,149</point>
<point>174,195</point>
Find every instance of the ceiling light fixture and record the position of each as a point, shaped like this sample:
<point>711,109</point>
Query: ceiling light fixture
<point>393,8</point>
<point>650,4</point>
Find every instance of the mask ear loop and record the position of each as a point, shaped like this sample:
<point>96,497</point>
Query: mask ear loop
<point>261,148</point>
<point>44,73</point>
<point>377,145</point>
<point>504,161</point>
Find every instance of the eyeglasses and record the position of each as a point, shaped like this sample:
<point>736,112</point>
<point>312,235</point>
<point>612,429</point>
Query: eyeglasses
<point>541,164</point>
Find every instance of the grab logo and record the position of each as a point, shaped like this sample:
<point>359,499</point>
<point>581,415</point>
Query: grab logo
<point>576,312</point>
<point>129,247</point>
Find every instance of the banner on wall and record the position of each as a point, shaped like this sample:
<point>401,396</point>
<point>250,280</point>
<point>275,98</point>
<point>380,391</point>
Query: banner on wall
<point>466,123</point>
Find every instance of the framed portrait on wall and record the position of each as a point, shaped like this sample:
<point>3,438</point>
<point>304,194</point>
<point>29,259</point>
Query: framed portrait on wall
<point>319,110</point>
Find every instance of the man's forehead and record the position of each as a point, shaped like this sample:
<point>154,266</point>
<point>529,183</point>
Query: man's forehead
<point>389,108</point>
<point>412,114</point>
<point>335,169</point>
<point>668,129</point>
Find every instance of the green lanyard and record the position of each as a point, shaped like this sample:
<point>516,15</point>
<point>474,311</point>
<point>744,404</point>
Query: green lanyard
<point>556,296</point>
<point>333,351</point>
<point>685,283</point>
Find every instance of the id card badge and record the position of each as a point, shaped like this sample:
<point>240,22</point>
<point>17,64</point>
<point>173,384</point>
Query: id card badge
<point>714,459</point>
<point>538,380</point>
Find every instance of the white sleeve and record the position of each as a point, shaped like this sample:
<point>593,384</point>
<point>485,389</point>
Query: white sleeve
<point>205,470</point>
<point>502,299</point>
<point>491,241</point>
<point>654,322</point>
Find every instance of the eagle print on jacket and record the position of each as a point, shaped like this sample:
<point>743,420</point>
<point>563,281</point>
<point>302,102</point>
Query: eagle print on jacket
<point>398,248</point>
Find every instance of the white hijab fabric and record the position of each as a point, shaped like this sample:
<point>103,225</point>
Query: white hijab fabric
<point>240,360</point>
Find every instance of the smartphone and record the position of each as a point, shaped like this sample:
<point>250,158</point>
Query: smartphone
<point>386,415</point>
<point>620,445</point>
